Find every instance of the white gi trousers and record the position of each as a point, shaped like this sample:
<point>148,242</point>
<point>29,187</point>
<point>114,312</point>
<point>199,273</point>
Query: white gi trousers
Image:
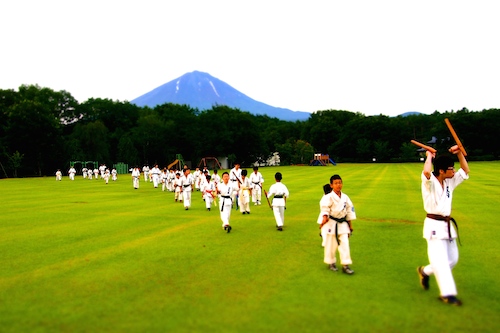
<point>225,210</point>
<point>331,247</point>
<point>279,215</point>
<point>208,200</point>
<point>186,196</point>
<point>156,180</point>
<point>443,256</point>
<point>244,201</point>
<point>256,193</point>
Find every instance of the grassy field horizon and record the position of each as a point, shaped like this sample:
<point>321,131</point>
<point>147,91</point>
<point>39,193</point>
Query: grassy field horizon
<point>81,256</point>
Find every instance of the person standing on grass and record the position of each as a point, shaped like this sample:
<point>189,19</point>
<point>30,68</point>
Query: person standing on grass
<point>244,193</point>
<point>58,175</point>
<point>155,174</point>
<point>178,187</point>
<point>164,179</point>
<point>256,179</point>
<point>72,173</point>
<point>437,194</point>
<point>145,170</point>
<point>337,213</point>
<point>225,188</point>
<point>235,178</point>
<point>106,176</point>
<point>136,174</point>
<point>280,193</point>
<point>209,192</point>
<point>187,181</point>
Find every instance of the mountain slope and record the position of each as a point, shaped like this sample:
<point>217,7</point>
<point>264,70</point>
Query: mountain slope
<point>201,90</point>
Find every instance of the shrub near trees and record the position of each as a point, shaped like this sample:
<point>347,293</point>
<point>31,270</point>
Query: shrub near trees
<point>42,130</point>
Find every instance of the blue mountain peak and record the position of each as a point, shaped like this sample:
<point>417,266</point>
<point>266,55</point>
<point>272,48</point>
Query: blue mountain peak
<point>202,91</point>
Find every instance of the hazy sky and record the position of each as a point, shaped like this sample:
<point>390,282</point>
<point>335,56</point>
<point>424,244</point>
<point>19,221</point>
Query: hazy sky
<point>369,56</point>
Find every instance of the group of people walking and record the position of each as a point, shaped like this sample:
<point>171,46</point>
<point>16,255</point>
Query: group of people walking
<point>233,189</point>
<point>91,173</point>
<point>237,189</point>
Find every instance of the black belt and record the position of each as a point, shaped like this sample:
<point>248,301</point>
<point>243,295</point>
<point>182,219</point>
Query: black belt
<point>186,185</point>
<point>224,197</point>
<point>446,219</point>
<point>341,220</point>
<point>278,197</point>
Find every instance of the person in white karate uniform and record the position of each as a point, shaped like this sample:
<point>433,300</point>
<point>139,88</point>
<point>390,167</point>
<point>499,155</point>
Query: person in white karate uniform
<point>441,236</point>
<point>244,193</point>
<point>155,175</point>
<point>136,174</point>
<point>187,181</point>
<point>280,193</point>
<point>209,192</point>
<point>337,213</point>
<point>72,173</point>
<point>225,188</point>
<point>256,179</point>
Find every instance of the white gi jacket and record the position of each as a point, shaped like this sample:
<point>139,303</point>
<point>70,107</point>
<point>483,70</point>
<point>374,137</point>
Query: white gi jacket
<point>338,207</point>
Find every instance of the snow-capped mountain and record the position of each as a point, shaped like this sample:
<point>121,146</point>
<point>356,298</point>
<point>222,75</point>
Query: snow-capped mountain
<point>201,90</point>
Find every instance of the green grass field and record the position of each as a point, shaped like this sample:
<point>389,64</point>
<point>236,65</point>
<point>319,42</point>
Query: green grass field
<point>83,256</point>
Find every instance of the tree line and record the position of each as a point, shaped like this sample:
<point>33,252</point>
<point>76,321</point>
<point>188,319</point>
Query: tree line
<point>42,130</point>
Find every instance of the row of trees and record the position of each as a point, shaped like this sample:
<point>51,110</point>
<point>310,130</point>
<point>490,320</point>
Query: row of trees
<point>42,130</point>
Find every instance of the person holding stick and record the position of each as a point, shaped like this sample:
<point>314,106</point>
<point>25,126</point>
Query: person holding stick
<point>437,194</point>
<point>280,193</point>
<point>336,228</point>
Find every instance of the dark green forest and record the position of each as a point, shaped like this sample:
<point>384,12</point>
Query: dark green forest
<point>42,130</point>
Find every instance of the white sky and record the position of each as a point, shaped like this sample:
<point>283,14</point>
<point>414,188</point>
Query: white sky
<point>369,56</point>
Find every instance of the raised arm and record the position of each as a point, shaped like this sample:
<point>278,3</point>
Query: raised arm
<point>461,158</point>
<point>428,164</point>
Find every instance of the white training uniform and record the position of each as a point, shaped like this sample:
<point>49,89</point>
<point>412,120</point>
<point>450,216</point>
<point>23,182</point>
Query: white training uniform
<point>145,170</point>
<point>102,169</point>
<point>84,173</point>
<point>280,192</point>
<point>114,175</point>
<point>164,180</point>
<point>196,176</point>
<point>155,172</point>
<point>136,173</point>
<point>106,175</point>
<point>170,180</point>
<point>256,179</point>
<point>208,189</point>
<point>178,189</point>
<point>225,201</point>
<point>187,189</point>
<point>339,207</point>
<point>441,247</point>
<point>244,195</point>
<point>58,175</point>
<point>234,176</point>
<point>72,173</point>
